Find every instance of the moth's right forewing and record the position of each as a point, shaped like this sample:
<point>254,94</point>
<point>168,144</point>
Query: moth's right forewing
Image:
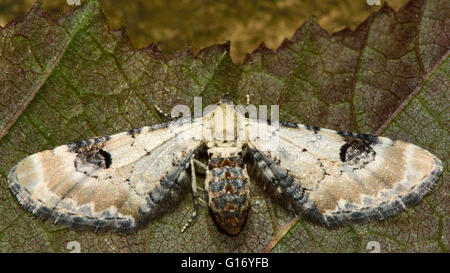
<point>341,177</point>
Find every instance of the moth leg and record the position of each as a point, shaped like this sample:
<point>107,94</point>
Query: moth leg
<point>201,167</point>
<point>195,196</point>
<point>247,97</point>
<point>195,187</point>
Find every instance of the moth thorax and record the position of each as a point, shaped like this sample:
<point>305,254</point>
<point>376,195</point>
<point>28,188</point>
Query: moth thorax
<point>228,184</point>
<point>224,135</point>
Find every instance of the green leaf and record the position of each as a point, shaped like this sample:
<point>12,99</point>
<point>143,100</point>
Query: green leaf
<point>73,78</point>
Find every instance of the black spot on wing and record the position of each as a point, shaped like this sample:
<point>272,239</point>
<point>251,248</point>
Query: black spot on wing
<point>93,157</point>
<point>357,153</point>
<point>343,152</point>
<point>106,158</point>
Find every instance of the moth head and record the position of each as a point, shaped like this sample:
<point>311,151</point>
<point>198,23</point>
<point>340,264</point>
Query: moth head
<point>226,99</point>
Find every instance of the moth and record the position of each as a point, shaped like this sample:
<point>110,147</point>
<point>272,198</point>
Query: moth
<point>121,181</point>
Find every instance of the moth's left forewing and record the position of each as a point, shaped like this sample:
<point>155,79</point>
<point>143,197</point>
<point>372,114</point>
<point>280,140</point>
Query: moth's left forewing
<point>340,177</point>
<point>114,182</point>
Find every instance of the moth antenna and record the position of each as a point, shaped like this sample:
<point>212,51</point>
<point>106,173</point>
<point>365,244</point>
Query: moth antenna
<point>193,216</point>
<point>161,112</point>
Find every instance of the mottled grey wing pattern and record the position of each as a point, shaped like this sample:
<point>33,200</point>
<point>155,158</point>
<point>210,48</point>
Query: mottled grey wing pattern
<point>115,182</point>
<point>337,178</point>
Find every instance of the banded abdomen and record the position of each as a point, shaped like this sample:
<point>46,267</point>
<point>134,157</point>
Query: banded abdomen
<point>228,184</point>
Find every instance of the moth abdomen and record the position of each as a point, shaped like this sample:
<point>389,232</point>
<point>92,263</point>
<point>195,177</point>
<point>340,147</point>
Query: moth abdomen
<point>227,183</point>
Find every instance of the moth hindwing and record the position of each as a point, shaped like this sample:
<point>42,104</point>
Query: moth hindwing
<point>120,181</point>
